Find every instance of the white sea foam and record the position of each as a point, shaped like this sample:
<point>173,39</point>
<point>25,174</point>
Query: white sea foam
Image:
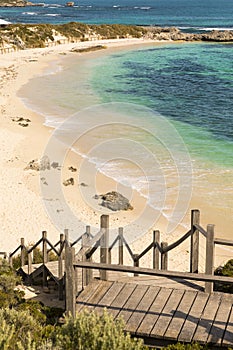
<point>30,13</point>
<point>52,14</point>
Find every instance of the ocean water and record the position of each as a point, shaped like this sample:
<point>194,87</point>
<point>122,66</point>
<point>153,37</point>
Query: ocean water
<point>195,15</point>
<point>157,119</point>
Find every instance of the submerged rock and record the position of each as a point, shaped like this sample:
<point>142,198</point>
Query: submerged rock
<point>114,201</point>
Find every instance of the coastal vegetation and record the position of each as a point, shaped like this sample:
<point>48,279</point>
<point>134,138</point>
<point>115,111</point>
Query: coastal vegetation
<point>31,325</point>
<point>23,36</point>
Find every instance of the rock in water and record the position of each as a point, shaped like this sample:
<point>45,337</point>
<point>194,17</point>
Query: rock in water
<point>115,201</point>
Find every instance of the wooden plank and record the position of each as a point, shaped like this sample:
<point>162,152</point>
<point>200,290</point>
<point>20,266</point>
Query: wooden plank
<point>204,326</point>
<point>120,300</point>
<point>165,318</point>
<point>179,316</point>
<point>109,296</point>
<point>86,294</point>
<point>220,322</point>
<point>141,310</point>
<point>154,312</point>
<point>151,272</point>
<point>133,302</point>
<point>193,317</point>
<point>228,336</point>
<point>97,295</point>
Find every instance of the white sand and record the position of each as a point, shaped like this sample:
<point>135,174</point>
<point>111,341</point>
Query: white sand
<point>22,210</point>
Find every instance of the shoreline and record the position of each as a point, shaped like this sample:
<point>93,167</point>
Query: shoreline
<point>25,203</point>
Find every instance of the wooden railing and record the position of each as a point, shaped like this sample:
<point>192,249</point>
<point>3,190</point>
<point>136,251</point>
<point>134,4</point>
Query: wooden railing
<point>160,254</point>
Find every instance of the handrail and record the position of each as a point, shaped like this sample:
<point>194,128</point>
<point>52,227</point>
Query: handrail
<point>201,229</point>
<point>52,247</point>
<point>76,241</point>
<point>151,272</point>
<point>128,248</point>
<point>114,242</point>
<point>177,243</point>
<point>92,250</point>
<point>34,246</point>
<point>139,256</point>
<point>223,242</point>
<point>55,245</point>
<point>15,251</point>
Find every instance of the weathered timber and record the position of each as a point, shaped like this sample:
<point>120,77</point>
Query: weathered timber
<point>179,316</point>
<point>167,313</point>
<point>209,269</point>
<point>142,308</point>
<point>152,272</point>
<point>156,253</point>
<point>121,299</point>
<point>109,296</point>
<point>164,256</point>
<point>120,246</point>
<point>104,244</point>
<point>207,318</point>
<point>154,312</point>
<point>70,281</point>
<point>195,220</point>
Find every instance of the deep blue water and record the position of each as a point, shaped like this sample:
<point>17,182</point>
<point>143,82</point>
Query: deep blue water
<point>189,15</point>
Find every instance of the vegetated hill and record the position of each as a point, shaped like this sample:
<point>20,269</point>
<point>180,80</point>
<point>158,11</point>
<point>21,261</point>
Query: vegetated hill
<point>22,36</point>
<point>40,35</point>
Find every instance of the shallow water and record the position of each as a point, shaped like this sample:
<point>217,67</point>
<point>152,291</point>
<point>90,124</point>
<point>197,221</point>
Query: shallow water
<point>158,119</point>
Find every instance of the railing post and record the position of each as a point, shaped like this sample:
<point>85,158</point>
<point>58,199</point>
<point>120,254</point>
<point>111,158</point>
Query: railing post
<point>45,257</point>
<point>66,233</point>
<point>60,267</point>
<point>194,249</point>
<point>120,247</point>
<point>104,245</point>
<point>135,263</point>
<point>164,256</point>
<point>86,273</point>
<point>209,267</point>
<point>22,257</point>
<point>70,281</point>
<point>44,249</point>
<point>30,258</point>
<point>156,252</point>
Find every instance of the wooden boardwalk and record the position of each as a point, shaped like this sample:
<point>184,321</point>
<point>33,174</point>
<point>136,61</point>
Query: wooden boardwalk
<point>164,315</point>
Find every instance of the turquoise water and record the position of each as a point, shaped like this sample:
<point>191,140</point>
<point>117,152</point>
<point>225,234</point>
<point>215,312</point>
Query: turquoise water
<point>157,119</point>
<point>190,84</point>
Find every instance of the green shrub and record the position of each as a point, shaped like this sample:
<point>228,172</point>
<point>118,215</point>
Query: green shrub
<point>94,332</point>
<point>227,271</point>
<point>8,281</point>
<point>22,329</point>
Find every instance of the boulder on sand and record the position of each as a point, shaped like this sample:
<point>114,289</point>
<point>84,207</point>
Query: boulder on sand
<point>114,201</point>
<point>69,181</point>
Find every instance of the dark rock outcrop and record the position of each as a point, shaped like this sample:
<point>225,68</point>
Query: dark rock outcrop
<point>114,201</point>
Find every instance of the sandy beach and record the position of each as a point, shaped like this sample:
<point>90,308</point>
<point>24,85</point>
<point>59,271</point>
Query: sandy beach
<point>22,209</point>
